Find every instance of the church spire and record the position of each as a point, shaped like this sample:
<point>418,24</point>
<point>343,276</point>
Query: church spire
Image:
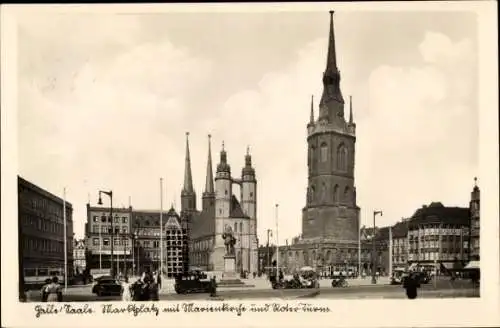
<point>311,119</point>
<point>188,178</point>
<point>331,61</point>
<point>209,184</point>
<point>331,106</point>
<point>351,119</point>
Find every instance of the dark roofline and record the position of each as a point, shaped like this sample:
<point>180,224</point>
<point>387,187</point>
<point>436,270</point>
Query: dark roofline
<point>104,209</point>
<point>25,183</point>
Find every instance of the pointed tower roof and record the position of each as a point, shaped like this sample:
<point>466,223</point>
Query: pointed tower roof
<point>311,119</point>
<point>331,59</point>
<point>351,119</point>
<point>331,105</point>
<point>209,184</point>
<point>188,178</point>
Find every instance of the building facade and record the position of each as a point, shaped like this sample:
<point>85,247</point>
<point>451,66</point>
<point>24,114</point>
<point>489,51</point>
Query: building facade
<point>439,234</point>
<point>100,232</point>
<point>176,260</point>
<point>330,218</point>
<point>221,208</point>
<point>136,240</point>
<point>474,224</point>
<point>41,234</point>
<point>79,256</point>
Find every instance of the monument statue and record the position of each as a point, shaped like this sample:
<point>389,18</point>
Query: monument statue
<point>229,240</point>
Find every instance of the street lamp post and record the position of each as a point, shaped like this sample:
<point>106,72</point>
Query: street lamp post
<point>269,233</point>
<point>375,213</point>
<point>110,194</point>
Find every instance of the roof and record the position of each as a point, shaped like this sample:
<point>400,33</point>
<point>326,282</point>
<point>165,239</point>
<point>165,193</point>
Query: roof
<point>236,211</point>
<point>29,185</point>
<point>149,218</point>
<point>400,229</point>
<point>202,225</point>
<point>438,213</point>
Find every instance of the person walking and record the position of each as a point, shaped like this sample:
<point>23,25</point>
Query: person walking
<point>43,290</point>
<point>54,291</point>
<point>126,294</point>
<point>411,284</point>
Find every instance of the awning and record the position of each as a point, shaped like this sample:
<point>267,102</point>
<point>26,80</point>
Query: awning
<point>448,266</point>
<point>472,265</point>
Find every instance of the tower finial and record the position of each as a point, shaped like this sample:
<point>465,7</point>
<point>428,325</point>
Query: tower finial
<point>222,145</point>
<point>311,119</point>
<point>351,119</point>
<point>209,184</point>
<point>331,64</point>
<point>475,181</point>
<point>188,178</point>
<point>248,150</point>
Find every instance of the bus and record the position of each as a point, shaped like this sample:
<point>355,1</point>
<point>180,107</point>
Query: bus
<point>35,277</point>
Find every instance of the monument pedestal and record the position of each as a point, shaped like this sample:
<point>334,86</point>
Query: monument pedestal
<point>230,278</point>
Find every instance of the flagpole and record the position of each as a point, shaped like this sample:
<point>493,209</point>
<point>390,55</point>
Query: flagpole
<point>390,251</point>
<point>277,241</point>
<point>161,227</point>
<point>65,243</point>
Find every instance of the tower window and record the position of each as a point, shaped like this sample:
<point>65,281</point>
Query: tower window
<point>346,194</point>
<point>251,194</point>
<point>324,152</point>
<point>225,192</point>
<point>342,157</point>
<point>336,193</point>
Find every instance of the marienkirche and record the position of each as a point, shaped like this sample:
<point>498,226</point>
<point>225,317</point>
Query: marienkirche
<point>330,218</point>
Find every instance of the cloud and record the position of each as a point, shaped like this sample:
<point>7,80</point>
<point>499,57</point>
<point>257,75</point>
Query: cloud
<point>423,130</point>
<point>115,123</point>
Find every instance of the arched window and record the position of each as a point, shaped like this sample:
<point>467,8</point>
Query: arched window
<point>336,193</point>
<point>313,193</point>
<point>342,157</point>
<point>323,191</point>
<point>328,258</point>
<point>305,257</point>
<point>241,227</point>
<point>313,156</point>
<point>346,194</point>
<point>235,227</point>
<point>324,152</point>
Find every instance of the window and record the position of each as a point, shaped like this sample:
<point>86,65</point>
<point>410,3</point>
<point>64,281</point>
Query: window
<point>251,194</point>
<point>95,241</point>
<point>225,192</point>
<point>124,229</point>
<point>105,241</point>
<point>346,194</point>
<point>124,219</point>
<point>104,229</point>
<point>241,226</point>
<point>95,219</point>
<point>324,152</point>
<point>336,193</point>
<point>342,158</point>
<point>95,229</point>
<point>323,191</point>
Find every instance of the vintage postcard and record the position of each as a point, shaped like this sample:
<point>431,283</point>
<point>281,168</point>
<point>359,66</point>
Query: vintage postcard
<point>328,164</point>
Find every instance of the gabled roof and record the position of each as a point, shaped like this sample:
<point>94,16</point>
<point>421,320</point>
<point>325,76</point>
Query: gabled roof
<point>236,211</point>
<point>173,220</point>
<point>202,225</point>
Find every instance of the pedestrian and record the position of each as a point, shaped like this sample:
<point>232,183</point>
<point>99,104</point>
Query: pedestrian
<point>126,294</point>
<point>159,280</point>
<point>213,287</point>
<point>411,284</point>
<point>54,291</point>
<point>43,290</point>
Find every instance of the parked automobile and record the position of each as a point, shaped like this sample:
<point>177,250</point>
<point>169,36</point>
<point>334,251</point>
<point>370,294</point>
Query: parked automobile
<point>339,281</point>
<point>192,283</point>
<point>105,286</point>
<point>398,276</point>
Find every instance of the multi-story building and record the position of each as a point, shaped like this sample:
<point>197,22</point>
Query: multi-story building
<point>221,209</point>
<point>439,234</point>
<point>400,244</point>
<point>99,235</point>
<point>41,234</point>
<point>474,207</point>
<point>79,256</point>
<point>146,229</point>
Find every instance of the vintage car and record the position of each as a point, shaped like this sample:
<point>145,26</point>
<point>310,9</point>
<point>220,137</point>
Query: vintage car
<point>107,286</point>
<point>397,276</point>
<point>192,283</point>
<point>305,278</point>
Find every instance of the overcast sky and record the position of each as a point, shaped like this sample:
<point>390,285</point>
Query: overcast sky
<point>105,101</point>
